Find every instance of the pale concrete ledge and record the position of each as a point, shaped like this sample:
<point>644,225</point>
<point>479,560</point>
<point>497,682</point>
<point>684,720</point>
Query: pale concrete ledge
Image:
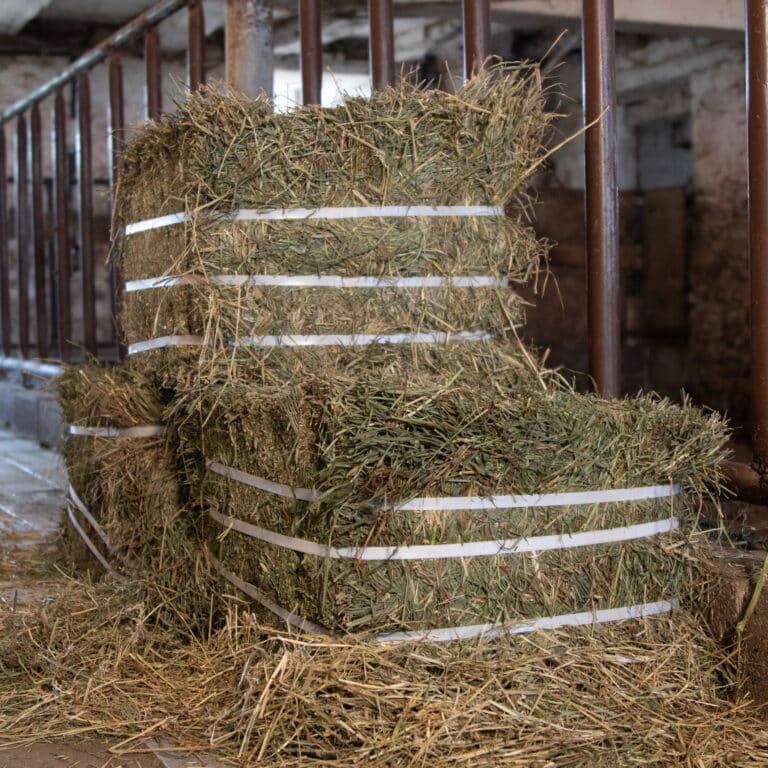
<point>28,407</point>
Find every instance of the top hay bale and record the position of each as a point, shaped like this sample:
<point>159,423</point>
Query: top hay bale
<point>221,156</point>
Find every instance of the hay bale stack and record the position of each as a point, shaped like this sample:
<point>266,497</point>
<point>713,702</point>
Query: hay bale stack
<point>232,282</point>
<point>331,464</point>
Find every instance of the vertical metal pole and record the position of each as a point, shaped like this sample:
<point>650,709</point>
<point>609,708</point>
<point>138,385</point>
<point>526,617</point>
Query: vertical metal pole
<point>196,46</point>
<point>249,54</point>
<point>22,232</point>
<point>85,178</point>
<point>116,146</point>
<point>382,43</point>
<point>5,284</point>
<point>38,231</point>
<point>757,127</point>
<point>602,203</point>
<point>63,263</point>
<point>154,97</point>
<point>311,51</point>
<point>477,35</point>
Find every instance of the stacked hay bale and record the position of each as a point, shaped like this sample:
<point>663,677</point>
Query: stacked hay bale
<point>361,508</point>
<point>328,298</point>
<point>381,220</point>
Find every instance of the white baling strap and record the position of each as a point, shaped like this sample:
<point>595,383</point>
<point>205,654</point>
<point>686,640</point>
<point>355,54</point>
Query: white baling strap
<point>318,281</point>
<point>356,212</point>
<point>469,632</point>
<point>90,518</point>
<point>454,503</point>
<point>336,340</point>
<point>148,430</point>
<point>460,550</point>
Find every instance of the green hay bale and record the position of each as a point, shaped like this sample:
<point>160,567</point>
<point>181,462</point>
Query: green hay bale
<point>130,485</point>
<point>404,146</point>
<point>367,449</point>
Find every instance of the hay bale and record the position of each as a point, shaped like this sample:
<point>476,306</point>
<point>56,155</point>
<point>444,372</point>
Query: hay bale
<point>124,474</point>
<point>364,450</point>
<point>402,147</point>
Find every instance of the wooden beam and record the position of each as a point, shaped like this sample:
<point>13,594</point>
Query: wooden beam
<point>249,47</point>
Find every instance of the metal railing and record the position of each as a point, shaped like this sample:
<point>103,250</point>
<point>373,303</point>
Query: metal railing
<point>46,240</point>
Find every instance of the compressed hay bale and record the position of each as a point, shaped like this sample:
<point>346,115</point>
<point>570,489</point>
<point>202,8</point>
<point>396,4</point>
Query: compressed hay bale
<point>364,450</point>
<point>402,147</point>
<point>124,477</point>
<point>115,474</point>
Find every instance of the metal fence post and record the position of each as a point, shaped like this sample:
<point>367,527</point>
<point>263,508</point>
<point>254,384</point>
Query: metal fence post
<point>602,203</point>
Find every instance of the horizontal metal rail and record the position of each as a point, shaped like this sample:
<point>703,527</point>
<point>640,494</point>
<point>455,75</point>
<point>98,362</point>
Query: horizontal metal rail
<point>96,55</point>
<point>34,367</point>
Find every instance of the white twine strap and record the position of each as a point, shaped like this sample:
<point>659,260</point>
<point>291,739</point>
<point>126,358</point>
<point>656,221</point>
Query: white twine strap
<point>148,430</point>
<point>161,342</point>
<point>88,543</point>
<point>455,503</point>
<point>450,634</point>
<point>585,618</point>
<point>90,518</point>
<point>327,213</point>
<point>277,489</point>
<point>448,551</point>
<point>361,339</point>
<point>341,340</point>
<point>318,281</point>
<point>290,618</point>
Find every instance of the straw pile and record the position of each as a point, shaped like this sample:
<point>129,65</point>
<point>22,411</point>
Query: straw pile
<point>401,147</point>
<point>639,694</point>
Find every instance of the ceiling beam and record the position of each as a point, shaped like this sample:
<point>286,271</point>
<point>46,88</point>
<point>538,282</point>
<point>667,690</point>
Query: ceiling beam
<point>16,13</point>
<point>678,16</point>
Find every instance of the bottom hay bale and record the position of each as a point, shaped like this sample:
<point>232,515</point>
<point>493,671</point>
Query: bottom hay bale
<point>644,692</point>
<point>367,507</point>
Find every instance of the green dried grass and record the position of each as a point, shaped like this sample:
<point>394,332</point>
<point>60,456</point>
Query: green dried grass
<point>367,447</point>
<point>402,146</point>
<point>131,486</point>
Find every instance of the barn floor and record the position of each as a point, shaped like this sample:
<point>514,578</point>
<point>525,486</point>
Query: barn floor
<point>33,486</point>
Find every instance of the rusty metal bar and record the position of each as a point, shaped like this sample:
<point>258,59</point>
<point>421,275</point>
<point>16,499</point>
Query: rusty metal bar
<point>602,205</point>
<point>38,231</point>
<point>5,283</point>
<point>311,51</point>
<point>22,232</point>
<point>250,46</point>
<point>153,103</point>
<point>382,43</point>
<point>757,128</point>
<point>88,60</point>
<point>196,46</point>
<point>116,146</point>
<point>85,183</point>
<point>63,262</point>
<point>477,35</point>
